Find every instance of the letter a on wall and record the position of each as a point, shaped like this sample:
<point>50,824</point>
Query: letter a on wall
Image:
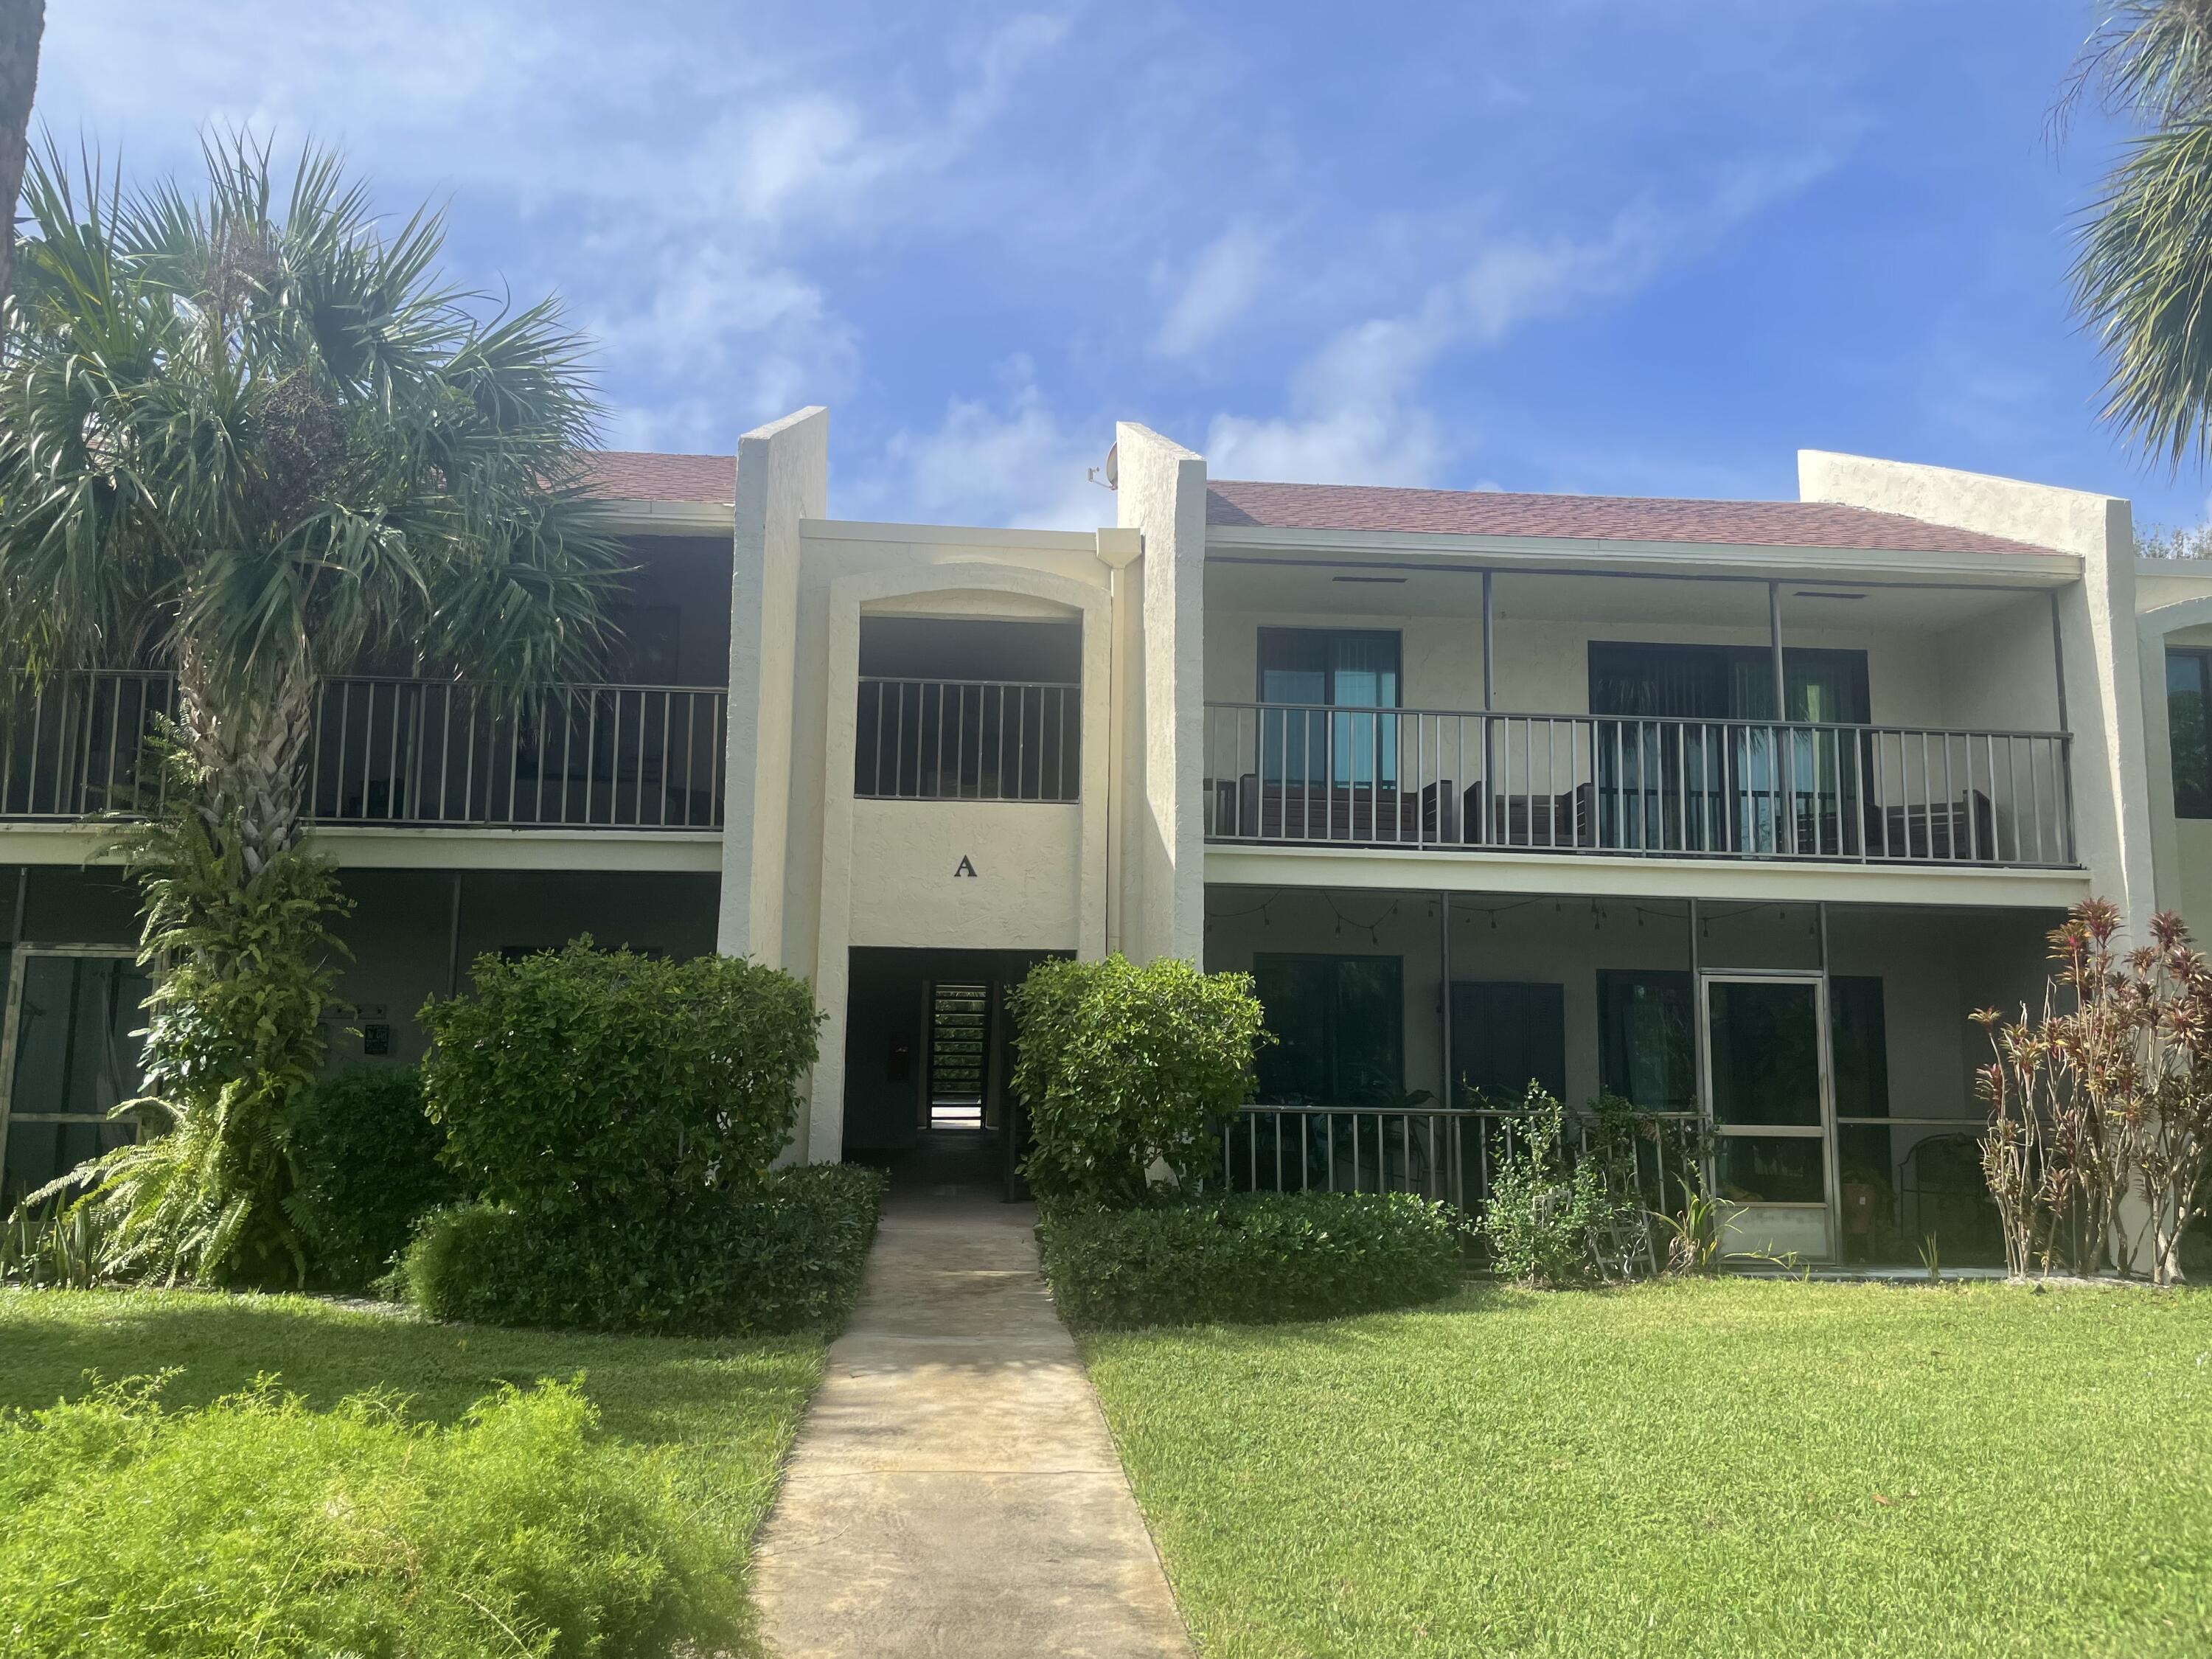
<point>963,868</point>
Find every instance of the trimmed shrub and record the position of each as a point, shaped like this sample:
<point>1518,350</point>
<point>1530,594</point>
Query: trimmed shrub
<point>255,1525</point>
<point>785,1257</point>
<point>368,1158</point>
<point>1119,1064</point>
<point>1251,1259</point>
<point>579,1086</point>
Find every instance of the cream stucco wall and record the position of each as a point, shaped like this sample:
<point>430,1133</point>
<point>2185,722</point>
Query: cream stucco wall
<point>866,872</point>
<point>909,887</point>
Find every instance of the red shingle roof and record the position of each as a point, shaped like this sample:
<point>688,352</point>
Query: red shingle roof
<point>1592,518</point>
<point>631,475</point>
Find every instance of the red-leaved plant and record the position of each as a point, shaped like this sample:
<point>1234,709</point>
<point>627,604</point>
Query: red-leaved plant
<point>2107,1101</point>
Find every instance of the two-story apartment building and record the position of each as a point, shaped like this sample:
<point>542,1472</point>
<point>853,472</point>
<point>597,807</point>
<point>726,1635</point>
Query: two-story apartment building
<point>1734,809</point>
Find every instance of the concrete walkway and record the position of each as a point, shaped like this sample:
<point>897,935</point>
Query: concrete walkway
<point>953,1490</point>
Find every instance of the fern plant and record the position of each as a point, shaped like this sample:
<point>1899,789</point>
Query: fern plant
<point>246,964</point>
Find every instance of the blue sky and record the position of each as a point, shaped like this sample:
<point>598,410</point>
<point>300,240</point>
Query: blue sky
<point>1639,247</point>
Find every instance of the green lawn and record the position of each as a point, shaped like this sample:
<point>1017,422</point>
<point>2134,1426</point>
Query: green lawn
<point>1730,1467</point>
<point>719,1413</point>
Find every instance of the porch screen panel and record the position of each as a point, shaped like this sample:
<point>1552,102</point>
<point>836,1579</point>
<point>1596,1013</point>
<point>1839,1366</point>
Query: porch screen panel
<point>1858,1044</point>
<point>1340,1020</point>
<point>1505,1034</point>
<point>75,1059</point>
<point>1645,1054</point>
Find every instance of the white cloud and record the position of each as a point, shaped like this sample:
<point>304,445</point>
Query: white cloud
<point>1354,415</point>
<point>1224,280</point>
<point>1011,463</point>
<point>680,192</point>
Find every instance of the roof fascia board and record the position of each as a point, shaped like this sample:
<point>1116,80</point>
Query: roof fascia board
<point>1656,558</point>
<point>946,535</point>
<point>645,517</point>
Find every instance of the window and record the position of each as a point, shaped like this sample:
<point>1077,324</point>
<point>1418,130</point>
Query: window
<point>1341,1025</point>
<point>1352,669</point>
<point>1506,1033</point>
<point>1644,1051</point>
<point>2188,696</point>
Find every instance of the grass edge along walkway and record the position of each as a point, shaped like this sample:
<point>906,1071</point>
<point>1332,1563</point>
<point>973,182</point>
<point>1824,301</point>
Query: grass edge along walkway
<point>1728,1467</point>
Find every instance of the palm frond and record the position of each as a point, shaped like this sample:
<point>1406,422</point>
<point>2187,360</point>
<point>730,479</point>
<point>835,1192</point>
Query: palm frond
<point>2143,281</point>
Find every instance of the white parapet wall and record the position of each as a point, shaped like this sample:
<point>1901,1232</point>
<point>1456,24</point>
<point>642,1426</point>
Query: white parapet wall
<point>2097,638</point>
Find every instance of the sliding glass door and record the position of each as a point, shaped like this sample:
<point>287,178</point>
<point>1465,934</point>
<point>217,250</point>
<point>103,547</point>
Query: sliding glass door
<point>1688,757</point>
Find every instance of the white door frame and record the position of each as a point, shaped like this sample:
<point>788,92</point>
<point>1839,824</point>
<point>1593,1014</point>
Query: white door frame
<point>1817,978</point>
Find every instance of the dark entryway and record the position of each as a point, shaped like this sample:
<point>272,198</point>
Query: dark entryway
<point>928,1057</point>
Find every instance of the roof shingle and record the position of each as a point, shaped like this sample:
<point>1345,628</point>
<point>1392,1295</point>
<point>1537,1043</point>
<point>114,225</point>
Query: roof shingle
<point>1590,518</point>
<point>631,475</point>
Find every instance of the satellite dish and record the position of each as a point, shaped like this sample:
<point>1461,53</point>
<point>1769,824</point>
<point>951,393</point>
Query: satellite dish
<point>1112,466</point>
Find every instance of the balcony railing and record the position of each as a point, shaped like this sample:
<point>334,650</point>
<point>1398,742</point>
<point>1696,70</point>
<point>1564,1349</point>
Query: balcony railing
<point>1300,774</point>
<point>1433,1152</point>
<point>1000,740</point>
<point>409,753</point>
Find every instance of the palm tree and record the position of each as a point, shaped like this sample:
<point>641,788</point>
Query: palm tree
<point>22,24</point>
<point>256,441</point>
<point>2143,270</point>
<point>259,446</point>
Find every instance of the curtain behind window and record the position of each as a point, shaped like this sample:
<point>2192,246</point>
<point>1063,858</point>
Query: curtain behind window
<point>1337,668</point>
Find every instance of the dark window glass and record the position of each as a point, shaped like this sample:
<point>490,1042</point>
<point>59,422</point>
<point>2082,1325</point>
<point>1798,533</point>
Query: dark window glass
<point>1858,1042</point>
<point>2186,685</point>
<point>1504,1034</point>
<point>1726,682</point>
<point>1644,1053</point>
<point>1340,1022</point>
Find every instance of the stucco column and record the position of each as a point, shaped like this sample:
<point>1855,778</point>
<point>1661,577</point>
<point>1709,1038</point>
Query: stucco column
<point>783,475</point>
<point>1161,493</point>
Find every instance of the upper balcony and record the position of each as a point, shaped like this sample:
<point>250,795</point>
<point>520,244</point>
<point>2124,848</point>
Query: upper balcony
<point>1704,716</point>
<point>400,753</point>
<point>1445,781</point>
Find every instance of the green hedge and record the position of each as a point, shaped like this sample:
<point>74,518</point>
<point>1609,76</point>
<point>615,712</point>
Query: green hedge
<point>1251,1259</point>
<point>592,1087</point>
<point>1121,1065</point>
<point>787,1258</point>
<point>368,1158</point>
<point>253,1525</point>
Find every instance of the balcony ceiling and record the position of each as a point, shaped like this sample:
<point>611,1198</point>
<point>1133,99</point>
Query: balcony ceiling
<point>1277,588</point>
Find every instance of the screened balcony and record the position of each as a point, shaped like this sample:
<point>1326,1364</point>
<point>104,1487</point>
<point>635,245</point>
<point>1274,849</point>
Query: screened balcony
<point>1453,709</point>
<point>398,752</point>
